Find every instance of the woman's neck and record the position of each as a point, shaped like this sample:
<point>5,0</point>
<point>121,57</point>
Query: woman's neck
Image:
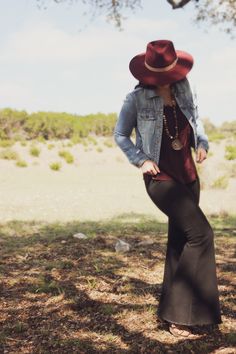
<point>166,93</point>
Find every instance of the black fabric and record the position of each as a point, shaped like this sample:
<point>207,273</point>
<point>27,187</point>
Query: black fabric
<point>189,291</point>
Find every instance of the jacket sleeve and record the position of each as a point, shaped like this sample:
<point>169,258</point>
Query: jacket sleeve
<point>127,120</point>
<point>202,138</point>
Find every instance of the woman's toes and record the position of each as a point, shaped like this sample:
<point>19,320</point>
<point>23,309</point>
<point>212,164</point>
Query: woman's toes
<point>180,331</point>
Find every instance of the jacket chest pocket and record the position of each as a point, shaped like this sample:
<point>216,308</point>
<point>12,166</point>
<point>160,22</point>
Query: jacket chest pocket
<point>147,114</point>
<point>146,121</point>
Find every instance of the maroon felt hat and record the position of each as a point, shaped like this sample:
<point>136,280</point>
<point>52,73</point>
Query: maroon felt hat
<point>161,64</point>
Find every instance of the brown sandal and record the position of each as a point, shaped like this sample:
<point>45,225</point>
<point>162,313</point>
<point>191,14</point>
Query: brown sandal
<point>180,331</point>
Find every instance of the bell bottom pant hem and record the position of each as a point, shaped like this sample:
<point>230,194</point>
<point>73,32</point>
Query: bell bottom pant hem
<point>190,324</point>
<point>189,292</point>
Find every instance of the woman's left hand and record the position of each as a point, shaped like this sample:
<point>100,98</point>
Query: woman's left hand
<point>201,154</point>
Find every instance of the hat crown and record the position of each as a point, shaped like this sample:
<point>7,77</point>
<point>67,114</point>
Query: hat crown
<point>160,53</point>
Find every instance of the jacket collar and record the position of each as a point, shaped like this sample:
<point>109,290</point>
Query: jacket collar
<point>176,87</point>
<point>150,93</point>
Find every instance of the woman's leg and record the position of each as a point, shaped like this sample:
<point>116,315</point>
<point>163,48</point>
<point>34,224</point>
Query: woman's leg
<point>189,293</point>
<point>176,242</point>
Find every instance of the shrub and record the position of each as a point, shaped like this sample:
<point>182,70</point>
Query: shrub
<point>216,136</point>
<point>11,122</point>
<point>51,146</point>
<point>9,154</point>
<point>55,166</point>
<point>92,140</point>
<point>66,155</point>
<point>229,127</point>
<point>6,143</point>
<point>220,183</point>
<point>54,125</point>
<point>41,139</point>
<point>108,143</point>
<point>230,152</point>
<point>23,143</point>
<point>209,154</point>
<point>34,151</point>
<point>76,140</point>
<point>21,163</point>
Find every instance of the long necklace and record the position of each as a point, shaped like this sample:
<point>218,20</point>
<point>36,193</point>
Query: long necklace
<point>176,143</point>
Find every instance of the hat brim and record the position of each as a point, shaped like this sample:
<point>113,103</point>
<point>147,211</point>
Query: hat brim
<point>178,72</point>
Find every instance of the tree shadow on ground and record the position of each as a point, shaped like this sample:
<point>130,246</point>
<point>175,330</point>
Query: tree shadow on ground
<point>60,294</point>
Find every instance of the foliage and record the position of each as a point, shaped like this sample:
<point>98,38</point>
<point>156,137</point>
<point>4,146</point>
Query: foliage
<point>55,166</point>
<point>11,122</point>
<point>108,143</point>
<point>44,126</point>
<point>34,151</point>
<point>21,163</point>
<point>52,125</point>
<point>230,152</point>
<point>113,10</point>
<point>51,146</point>
<point>216,136</point>
<point>6,143</point>
<point>8,154</point>
<point>221,182</point>
<point>66,155</point>
<point>227,129</point>
<point>216,12</point>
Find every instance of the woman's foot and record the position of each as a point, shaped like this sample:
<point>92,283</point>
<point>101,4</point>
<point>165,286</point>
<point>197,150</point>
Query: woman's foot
<point>180,331</point>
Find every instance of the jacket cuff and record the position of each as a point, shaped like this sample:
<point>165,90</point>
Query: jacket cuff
<point>140,162</point>
<point>204,145</point>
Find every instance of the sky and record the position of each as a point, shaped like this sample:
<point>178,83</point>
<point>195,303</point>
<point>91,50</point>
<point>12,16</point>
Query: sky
<point>58,59</point>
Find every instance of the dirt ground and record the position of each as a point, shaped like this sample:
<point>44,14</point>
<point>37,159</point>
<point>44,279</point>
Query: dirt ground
<point>98,185</point>
<point>63,295</point>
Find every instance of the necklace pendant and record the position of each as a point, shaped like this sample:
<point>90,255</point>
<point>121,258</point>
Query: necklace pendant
<point>176,144</point>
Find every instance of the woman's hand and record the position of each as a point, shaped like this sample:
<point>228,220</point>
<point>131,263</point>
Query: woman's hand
<point>201,154</point>
<point>150,167</point>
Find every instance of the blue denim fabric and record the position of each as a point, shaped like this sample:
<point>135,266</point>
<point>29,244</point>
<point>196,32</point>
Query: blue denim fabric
<point>143,110</point>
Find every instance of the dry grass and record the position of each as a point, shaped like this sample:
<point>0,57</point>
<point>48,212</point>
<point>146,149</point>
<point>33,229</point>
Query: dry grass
<point>64,295</point>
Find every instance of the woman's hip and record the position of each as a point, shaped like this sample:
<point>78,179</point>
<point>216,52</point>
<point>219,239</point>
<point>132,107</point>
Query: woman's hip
<point>171,194</point>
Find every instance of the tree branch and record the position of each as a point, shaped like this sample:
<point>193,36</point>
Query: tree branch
<point>177,4</point>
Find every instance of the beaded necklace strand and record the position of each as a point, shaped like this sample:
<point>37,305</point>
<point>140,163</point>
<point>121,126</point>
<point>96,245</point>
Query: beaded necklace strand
<point>176,143</point>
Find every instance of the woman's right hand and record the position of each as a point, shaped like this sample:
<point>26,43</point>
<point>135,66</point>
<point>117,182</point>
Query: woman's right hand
<point>150,167</point>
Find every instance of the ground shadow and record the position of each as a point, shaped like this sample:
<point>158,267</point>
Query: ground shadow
<point>60,294</point>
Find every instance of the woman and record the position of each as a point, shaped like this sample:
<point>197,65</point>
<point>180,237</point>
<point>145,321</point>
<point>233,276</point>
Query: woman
<point>163,112</point>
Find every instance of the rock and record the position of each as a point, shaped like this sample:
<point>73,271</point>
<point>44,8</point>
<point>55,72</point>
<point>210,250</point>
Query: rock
<point>63,241</point>
<point>146,243</point>
<point>80,236</point>
<point>122,246</point>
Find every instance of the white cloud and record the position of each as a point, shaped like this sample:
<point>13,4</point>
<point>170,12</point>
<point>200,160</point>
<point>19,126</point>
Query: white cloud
<point>45,67</point>
<point>45,43</point>
<point>12,95</point>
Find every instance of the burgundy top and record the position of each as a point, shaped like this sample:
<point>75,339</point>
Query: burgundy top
<point>176,164</point>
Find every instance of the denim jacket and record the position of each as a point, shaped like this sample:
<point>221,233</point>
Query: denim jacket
<point>143,110</point>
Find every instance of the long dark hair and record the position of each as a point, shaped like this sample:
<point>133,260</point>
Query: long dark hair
<point>149,87</point>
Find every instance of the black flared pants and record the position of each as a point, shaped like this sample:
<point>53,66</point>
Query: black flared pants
<point>189,293</point>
